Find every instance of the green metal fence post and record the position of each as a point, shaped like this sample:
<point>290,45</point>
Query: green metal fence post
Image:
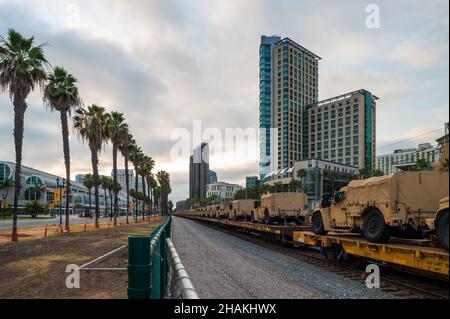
<point>139,268</point>
<point>163,261</point>
<point>156,272</point>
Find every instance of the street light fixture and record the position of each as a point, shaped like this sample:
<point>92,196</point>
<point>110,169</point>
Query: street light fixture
<point>60,184</point>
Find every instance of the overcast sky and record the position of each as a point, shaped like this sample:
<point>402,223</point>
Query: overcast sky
<point>166,63</point>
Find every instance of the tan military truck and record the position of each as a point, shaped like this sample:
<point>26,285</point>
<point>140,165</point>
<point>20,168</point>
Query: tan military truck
<point>439,223</point>
<point>282,208</point>
<point>223,210</point>
<point>211,211</point>
<point>241,209</point>
<point>379,207</point>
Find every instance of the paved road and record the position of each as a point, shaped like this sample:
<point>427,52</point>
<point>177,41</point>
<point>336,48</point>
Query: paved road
<point>223,266</point>
<point>74,219</point>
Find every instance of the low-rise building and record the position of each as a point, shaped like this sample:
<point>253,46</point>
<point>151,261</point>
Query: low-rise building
<point>223,191</point>
<point>321,180</point>
<point>406,159</point>
<point>79,197</point>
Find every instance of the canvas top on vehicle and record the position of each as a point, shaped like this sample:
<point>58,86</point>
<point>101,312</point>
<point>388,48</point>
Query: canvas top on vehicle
<point>419,191</point>
<point>290,201</point>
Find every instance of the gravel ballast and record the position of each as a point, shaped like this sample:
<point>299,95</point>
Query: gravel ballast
<point>225,267</point>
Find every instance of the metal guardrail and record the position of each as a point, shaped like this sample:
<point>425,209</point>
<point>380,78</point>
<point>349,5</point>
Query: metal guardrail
<point>154,268</point>
<point>179,283</point>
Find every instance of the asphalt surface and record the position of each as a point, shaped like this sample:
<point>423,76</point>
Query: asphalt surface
<point>223,266</point>
<point>74,219</point>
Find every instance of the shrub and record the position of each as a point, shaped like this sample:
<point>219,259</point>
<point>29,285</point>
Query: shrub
<point>35,208</point>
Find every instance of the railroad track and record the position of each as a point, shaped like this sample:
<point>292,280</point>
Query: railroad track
<point>395,283</point>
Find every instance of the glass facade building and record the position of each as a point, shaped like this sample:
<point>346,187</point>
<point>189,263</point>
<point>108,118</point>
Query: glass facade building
<point>266,65</point>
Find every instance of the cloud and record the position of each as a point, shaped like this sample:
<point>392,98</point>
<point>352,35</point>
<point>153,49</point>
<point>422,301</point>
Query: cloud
<point>420,54</point>
<point>167,63</point>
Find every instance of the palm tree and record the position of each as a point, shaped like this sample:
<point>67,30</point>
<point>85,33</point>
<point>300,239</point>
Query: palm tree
<point>136,157</point>
<point>364,173</point>
<point>148,165</point>
<point>36,190</point>
<point>90,124</point>
<point>61,94</point>
<point>105,183</point>
<point>124,147</point>
<point>117,132</point>
<point>89,183</point>
<point>421,164</point>
<point>22,68</point>
<point>164,183</point>
<point>152,184</point>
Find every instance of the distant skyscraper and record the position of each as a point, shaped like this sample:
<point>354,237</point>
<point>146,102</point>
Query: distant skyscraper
<point>212,177</point>
<point>198,171</point>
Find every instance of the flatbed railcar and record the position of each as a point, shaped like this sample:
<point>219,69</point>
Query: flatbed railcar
<point>410,255</point>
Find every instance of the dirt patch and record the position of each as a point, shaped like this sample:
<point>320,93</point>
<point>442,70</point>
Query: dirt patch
<point>36,269</point>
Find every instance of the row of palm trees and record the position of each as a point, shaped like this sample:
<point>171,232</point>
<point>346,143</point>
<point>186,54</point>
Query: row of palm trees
<point>23,67</point>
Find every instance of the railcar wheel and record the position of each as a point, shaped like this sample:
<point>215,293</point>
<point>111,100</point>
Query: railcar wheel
<point>442,231</point>
<point>317,224</point>
<point>375,229</point>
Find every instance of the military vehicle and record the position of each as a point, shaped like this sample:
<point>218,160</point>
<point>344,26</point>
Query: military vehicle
<point>379,207</point>
<point>282,208</point>
<point>242,209</point>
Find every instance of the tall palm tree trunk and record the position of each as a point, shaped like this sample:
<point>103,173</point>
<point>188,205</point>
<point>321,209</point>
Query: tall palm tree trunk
<point>19,113</point>
<point>66,149</point>
<point>145,197</point>
<point>127,185</point>
<point>116,191</point>
<point>111,204</point>
<point>136,187</point>
<point>90,202</point>
<point>94,160</point>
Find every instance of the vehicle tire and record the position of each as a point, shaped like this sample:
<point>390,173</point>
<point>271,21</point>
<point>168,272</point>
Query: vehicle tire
<point>267,219</point>
<point>375,229</point>
<point>442,231</point>
<point>317,224</point>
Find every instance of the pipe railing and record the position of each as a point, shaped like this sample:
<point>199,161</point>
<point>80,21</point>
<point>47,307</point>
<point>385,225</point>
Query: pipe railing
<point>180,285</point>
<point>154,267</point>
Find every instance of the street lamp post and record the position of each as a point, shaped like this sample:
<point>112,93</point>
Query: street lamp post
<point>60,184</point>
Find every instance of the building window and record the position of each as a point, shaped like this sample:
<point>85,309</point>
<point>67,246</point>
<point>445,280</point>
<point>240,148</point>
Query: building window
<point>5,171</point>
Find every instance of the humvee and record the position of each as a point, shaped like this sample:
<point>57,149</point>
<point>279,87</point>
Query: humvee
<point>282,208</point>
<point>379,207</point>
<point>222,210</point>
<point>242,208</point>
